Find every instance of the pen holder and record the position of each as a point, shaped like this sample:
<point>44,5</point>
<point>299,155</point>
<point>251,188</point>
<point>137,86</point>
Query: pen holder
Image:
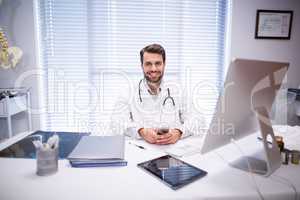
<point>47,161</point>
<point>295,157</point>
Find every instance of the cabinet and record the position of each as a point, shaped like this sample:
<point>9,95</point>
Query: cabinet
<point>10,106</point>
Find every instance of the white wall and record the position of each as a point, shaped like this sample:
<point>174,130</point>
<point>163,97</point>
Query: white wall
<point>17,19</point>
<point>244,45</point>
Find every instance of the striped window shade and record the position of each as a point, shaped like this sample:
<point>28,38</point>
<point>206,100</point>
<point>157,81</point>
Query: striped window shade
<point>90,48</point>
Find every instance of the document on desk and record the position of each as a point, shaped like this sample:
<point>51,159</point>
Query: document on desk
<point>184,147</point>
<point>183,150</point>
<point>98,151</point>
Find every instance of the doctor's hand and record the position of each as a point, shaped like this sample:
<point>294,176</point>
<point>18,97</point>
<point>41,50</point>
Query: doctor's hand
<point>149,134</point>
<point>169,138</point>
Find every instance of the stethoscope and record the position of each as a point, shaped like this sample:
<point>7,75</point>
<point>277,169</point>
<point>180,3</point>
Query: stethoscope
<point>169,97</point>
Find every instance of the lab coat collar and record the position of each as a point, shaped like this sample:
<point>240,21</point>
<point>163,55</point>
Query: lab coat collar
<point>147,88</point>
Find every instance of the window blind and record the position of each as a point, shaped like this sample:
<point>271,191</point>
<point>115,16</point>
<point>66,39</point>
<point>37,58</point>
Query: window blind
<point>90,49</point>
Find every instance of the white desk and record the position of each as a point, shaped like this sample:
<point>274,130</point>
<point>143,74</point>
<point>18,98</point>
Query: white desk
<point>18,180</point>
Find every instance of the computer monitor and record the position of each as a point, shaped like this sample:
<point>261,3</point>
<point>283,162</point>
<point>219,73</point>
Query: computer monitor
<point>242,109</point>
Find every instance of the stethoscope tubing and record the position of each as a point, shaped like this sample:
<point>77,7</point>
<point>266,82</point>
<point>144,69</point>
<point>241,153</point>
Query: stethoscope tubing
<point>164,102</point>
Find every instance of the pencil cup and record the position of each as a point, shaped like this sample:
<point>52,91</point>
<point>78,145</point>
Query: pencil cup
<point>47,161</point>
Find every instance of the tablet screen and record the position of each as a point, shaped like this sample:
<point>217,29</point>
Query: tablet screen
<point>172,171</point>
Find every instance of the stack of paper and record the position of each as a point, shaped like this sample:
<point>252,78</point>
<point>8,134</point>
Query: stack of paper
<point>98,151</point>
<point>183,150</point>
<point>186,147</point>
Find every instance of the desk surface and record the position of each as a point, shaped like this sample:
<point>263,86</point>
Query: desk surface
<point>19,181</point>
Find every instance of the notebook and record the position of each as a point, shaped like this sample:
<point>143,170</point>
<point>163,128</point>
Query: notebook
<point>93,151</point>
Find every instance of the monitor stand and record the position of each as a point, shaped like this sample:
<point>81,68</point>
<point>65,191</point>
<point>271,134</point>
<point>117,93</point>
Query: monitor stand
<point>272,156</point>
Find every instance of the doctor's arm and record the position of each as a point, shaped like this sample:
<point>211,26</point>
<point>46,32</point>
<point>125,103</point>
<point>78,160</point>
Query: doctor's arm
<point>188,123</point>
<point>122,121</point>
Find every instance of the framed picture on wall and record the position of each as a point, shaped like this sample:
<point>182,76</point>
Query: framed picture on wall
<point>273,24</point>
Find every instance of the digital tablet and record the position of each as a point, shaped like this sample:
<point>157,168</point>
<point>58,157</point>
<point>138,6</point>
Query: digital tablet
<point>172,171</point>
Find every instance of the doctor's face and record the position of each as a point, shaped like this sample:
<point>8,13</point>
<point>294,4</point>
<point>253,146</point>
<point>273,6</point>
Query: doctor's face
<point>153,67</point>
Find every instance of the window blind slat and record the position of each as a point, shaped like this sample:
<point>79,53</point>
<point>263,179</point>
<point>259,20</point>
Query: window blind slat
<point>88,46</point>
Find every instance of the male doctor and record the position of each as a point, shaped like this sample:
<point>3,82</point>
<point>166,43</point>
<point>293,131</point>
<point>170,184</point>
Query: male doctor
<point>153,110</point>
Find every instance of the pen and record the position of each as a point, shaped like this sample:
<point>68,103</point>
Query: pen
<point>131,117</point>
<point>260,139</point>
<point>139,146</point>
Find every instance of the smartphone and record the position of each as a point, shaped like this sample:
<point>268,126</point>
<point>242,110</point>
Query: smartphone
<point>162,131</point>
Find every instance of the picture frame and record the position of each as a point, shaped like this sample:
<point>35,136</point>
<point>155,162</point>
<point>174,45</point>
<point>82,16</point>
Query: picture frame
<point>273,24</point>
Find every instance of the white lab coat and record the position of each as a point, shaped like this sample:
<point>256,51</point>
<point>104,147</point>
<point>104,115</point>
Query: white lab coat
<point>130,114</point>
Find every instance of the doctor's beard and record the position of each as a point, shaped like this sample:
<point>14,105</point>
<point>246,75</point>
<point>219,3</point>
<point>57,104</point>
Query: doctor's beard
<point>151,80</point>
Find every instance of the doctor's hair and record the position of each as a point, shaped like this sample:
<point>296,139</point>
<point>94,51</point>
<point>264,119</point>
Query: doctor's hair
<point>153,48</point>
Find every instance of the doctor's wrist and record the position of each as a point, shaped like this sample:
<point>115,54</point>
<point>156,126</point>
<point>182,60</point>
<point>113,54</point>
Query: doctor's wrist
<point>141,131</point>
<point>178,130</point>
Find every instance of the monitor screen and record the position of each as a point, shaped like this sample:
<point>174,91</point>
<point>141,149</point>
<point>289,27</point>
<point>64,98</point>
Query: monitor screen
<point>249,84</point>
